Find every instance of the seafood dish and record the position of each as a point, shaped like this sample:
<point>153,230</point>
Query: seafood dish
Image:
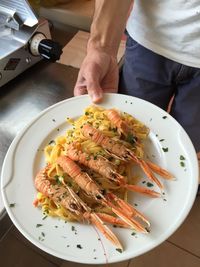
<point>89,172</point>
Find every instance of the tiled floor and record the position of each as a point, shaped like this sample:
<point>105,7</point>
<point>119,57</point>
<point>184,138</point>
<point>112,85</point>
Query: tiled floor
<point>182,249</point>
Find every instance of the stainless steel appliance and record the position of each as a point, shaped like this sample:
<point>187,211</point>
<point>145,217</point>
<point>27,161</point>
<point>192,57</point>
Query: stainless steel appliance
<point>24,39</point>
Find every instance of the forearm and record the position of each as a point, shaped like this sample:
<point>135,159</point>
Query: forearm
<point>108,24</point>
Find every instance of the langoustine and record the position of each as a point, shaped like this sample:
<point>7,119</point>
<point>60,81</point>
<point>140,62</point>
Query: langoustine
<point>119,207</point>
<point>105,168</point>
<point>65,196</point>
<point>119,150</point>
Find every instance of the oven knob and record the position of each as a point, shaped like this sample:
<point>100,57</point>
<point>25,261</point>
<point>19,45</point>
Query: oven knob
<point>47,48</point>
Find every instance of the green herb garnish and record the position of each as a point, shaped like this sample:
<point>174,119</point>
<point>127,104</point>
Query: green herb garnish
<point>131,138</point>
<point>182,164</point>
<point>12,205</point>
<point>181,157</point>
<point>149,184</point>
<point>38,225</point>
<point>165,149</point>
<point>119,250</point>
<point>59,179</point>
<point>52,142</point>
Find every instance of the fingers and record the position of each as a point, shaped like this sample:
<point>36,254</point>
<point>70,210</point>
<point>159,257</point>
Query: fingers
<point>90,86</point>
<point>80,90</point>
<point>98,73</point>
<point>95,91</point>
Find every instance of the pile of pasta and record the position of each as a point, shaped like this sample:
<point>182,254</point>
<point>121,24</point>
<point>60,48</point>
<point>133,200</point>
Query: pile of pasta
<point>96,117</point>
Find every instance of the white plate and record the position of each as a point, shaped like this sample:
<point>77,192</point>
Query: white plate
<point>81,243</point>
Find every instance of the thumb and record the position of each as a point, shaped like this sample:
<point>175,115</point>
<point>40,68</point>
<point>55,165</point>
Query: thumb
<point>94,90</point>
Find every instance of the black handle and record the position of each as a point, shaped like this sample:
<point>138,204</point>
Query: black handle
<point>50,50</point>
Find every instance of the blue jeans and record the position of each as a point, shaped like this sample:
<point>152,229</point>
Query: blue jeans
<point>156,79</point>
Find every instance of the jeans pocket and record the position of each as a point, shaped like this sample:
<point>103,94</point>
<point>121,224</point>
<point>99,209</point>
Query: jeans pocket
<point>131,43</point>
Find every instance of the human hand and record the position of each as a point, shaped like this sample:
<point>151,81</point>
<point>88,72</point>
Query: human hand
<point>99,73</point>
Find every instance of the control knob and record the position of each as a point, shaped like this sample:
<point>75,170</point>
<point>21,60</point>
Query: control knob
<point>47,48</point>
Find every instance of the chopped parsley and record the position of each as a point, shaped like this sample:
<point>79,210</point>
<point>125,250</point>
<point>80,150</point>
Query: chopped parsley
<point>182,164</point>
<point>131,138</point>
<point>149,184</point>
<point>39,225</point>
<point>181,157</point>
<point>165,149</point>
<point>12,205</point>
<point>161,140</point>
<point>79,246</point>
<point>164,117</point>
<point>59,179</point>
<point>52,142</point>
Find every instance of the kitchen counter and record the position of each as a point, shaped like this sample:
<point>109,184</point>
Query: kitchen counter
<point>26,96</point>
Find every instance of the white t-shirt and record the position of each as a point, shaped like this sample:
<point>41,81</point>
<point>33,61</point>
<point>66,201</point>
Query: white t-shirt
<point>170,28</point>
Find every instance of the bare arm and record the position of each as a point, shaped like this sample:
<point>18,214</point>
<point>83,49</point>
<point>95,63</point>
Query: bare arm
<point>108,24</point>
<point>99,70</point>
